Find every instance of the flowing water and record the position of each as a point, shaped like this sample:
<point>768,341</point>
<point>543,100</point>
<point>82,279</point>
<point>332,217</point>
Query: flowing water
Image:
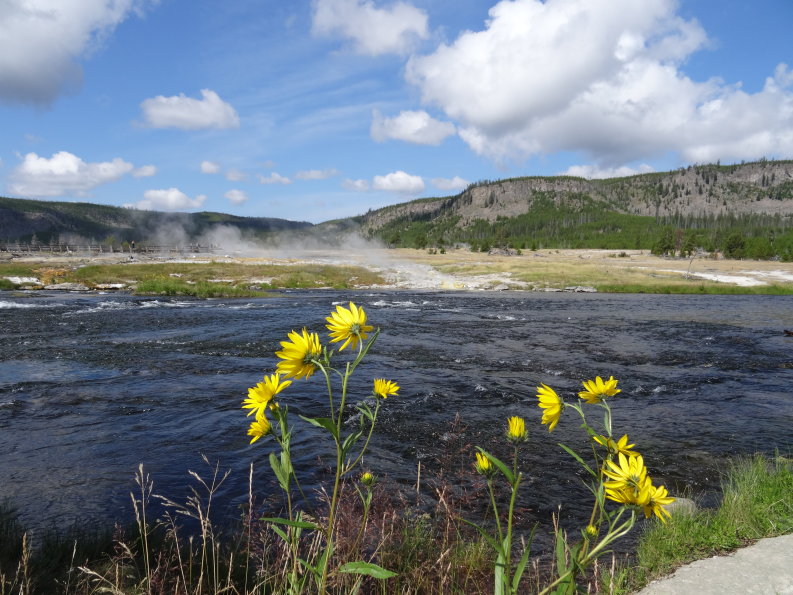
<point>91,386</point>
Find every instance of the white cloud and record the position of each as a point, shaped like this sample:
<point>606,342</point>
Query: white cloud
<point>599,173</point>
<point>43,40</point>
<point>209,167</point>
<point>236,197</point>
<point>235,175</point>
<point>450,184</point>
<point>600,77</point>
<point>187,113</point>
<point>316,174</point>
<point>63,174</point>
<point>355,185</point>
<point>274,178</point>
<point>399,182</point>
<point>144,171</point>
<point>413,127</point>
<point>373,31</point>
<point>171,199</point>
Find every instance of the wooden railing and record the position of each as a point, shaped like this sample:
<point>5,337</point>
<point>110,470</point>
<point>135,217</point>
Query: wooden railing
<point>22,248</point>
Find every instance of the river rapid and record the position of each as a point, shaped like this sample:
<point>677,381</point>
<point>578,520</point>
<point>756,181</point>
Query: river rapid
<point>93,385</point>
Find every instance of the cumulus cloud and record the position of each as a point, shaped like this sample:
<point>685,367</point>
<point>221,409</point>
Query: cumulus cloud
<point>171,199</point>
<point>355,185</point>
<point>450,184</point>
<point>42,42</point>
<point>274,178</point>
<point>144,171</point>
<point>412,127</point>
<point>186,113</point>
<point>209,167</point>
<point>601,77</point>
<point>235,175</point>
<point>394,29</point>
<point>400,182</point>
<point>317,174</point>
<point>236,197</point>
<point>595,172</point>
<point>63,174</point>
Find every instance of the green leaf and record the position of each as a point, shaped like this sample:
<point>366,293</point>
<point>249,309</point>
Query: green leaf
<point>350,441</point>
<point>523,561</point>
<point>367,568</point>
<point>579,459</point>
<point>280,533</point>
<point>499,579</point>
<point>492,542</point>
<point>290,523</point>
<point>324,422</point>
<point>283,479</point>
<point>501,466</point>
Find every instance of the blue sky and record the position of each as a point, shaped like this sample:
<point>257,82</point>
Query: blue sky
<point>314,110</point>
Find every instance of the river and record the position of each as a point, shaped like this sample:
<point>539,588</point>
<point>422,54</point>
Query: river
<point>93,385</point>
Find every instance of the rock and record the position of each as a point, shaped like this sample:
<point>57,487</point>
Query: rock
<point>682,506</point>
<point>68,287</point>
<point>110,286</point>
<point>24,280</point>
<point>501,287</point>
<point>581,289</point>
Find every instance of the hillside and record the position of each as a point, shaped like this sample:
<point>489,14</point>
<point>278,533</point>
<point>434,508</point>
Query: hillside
<point>52,222</point>
<point>709,203</point>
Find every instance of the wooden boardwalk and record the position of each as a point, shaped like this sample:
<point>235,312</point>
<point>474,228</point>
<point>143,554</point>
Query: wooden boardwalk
<point>22,248</point>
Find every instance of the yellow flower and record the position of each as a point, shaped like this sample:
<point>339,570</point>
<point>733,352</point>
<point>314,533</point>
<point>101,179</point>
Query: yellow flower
<point>483,464</point>
<point>656,500</point>
<point>597,390</point>
<point>260,427</point>
<point>348,325</point>
<point>591,530</point>
<point>614,448</point>
<point>261,396</point>
<point>516,430</point>
<point>298,353</point>
<point>384,388</point>
<point>552,403</point>
<point>630,474</point>
<point>367,479</point>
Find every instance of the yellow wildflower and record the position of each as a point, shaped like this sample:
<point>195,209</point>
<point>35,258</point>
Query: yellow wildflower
<point>261,396</point>
<point>656,500</point>
<point>483,464</point>
<point>597,390</point>
<point>616,447</point>
<point>260,427</point>
<point>348,325</point>
<point>516,430</point>
<point>384,388</point>
<point>298,354</point>
<point>552,403</point>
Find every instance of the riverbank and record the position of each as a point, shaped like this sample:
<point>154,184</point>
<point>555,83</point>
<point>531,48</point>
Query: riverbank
<point>614,271</point>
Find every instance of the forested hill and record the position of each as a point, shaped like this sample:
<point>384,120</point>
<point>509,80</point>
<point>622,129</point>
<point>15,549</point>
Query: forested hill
<point>21,220</point>
<point>699,206</point>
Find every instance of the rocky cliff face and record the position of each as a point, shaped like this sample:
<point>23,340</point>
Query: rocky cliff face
<point>761,187</point>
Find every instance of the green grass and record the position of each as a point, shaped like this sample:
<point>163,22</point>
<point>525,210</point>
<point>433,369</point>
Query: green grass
<point>757,502</point>
<point>698,289</point>
<point>202,289</point>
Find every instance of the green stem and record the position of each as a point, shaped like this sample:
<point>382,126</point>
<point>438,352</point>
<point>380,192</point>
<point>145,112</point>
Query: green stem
<point>352,465</point>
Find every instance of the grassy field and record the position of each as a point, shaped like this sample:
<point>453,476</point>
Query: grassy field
<point>611,271</point>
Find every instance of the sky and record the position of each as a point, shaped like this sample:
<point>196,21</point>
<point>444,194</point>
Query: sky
<point>312,110</point>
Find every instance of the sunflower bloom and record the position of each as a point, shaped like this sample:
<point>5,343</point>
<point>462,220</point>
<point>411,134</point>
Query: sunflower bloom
<point>483,464</point>
<point>597,390</point>
<point>552,404</point>
<point>384,388</point>
<point>615,447</point>
<point>629,474</point>
<point>261,396</point>
<point>657,498</point>
<point>516,430</point>
<point>348,325</point>
<point>298,354</point>
<point>260,427</point>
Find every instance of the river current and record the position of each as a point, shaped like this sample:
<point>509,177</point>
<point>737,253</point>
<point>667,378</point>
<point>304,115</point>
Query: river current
<point>93,385</point>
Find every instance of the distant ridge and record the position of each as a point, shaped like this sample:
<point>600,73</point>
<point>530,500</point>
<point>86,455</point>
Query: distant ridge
<point>22,219</point>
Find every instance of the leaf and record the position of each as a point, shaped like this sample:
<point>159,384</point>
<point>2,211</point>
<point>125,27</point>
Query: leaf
<point>501,466</point>
<point>283,479</point>
<point>290,523</point>
<point>579,459</point>
<point>498,575</point>
<point>368,569</point>
<point>492,542</point>
<point>523,561</point>
<point>324,422</point>
<point>350,441</point>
